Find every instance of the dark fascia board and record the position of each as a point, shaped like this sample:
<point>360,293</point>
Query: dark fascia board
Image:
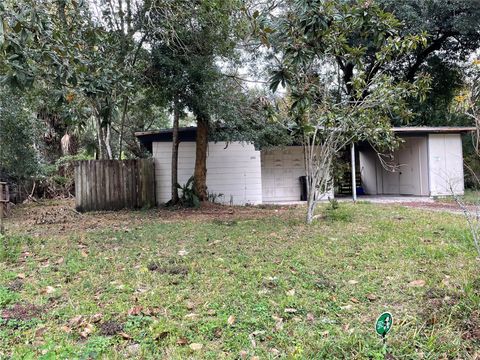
<point>189,134</point>
<point>432,130</point>
<point>147,138</point>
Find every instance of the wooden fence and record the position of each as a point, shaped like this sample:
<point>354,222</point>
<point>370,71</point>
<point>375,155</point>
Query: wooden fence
<point>114,184</point>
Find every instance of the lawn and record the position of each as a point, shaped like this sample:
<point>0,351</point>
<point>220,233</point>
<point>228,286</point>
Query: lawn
<point>238,284</point>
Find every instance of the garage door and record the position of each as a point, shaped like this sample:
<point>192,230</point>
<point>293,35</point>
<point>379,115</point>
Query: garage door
<point>281,169</point>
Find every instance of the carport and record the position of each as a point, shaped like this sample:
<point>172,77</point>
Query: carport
<point>429,162</point>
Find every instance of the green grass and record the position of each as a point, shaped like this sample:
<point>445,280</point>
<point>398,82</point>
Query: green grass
<point>229,285</point>
<point>471,197</point>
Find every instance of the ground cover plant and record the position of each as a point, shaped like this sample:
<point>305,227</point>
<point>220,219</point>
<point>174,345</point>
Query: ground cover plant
<point>234,283</point>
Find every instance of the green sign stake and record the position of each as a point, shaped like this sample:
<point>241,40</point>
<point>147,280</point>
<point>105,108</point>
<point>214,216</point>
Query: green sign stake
<point>383,325</point>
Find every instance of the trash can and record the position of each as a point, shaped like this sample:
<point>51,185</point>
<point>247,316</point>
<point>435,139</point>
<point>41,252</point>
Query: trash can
<point>303,188</point>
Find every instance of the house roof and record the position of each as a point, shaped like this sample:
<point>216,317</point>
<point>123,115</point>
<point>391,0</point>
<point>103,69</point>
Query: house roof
<point>432,129</point>
<point>146,138</point>
<point>190,133</point>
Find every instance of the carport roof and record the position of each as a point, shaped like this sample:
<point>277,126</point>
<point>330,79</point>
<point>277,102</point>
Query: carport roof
<point>432,129</point>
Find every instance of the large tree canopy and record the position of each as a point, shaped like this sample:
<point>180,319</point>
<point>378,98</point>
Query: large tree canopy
<point>340,92</point>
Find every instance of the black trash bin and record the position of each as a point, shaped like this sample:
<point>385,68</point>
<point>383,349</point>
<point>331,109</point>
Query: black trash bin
<point>303,188</point>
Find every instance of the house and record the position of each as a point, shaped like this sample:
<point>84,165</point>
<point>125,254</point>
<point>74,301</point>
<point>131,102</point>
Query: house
<point>428,163</point>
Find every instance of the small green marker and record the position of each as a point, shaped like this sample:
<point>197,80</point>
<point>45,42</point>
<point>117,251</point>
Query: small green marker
<point>383,325</point>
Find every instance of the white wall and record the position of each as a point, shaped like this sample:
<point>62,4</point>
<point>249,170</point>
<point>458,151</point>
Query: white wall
<point>281,169</point>
<point>232,170</point>
<point>410,177</point>
<point>445,157</point>
<point>368,171</point>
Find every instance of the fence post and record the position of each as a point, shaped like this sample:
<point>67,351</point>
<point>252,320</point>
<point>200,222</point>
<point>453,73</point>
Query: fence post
<point>3,200</point>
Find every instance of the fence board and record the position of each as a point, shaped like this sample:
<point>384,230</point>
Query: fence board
<point>114,184</point>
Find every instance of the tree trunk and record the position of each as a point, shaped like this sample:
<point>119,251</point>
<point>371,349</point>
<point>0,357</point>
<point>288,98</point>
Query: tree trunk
<point>106,140</point>
<point>176,117</point>
<point>99,138</point>
<point>200,174</point>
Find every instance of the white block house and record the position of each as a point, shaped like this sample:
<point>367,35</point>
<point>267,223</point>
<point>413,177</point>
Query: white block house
<point>428,163</point>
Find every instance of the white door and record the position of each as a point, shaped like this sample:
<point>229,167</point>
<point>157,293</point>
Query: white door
<point>405,180</point>
<point>391,179</point>
<point>409,168</point>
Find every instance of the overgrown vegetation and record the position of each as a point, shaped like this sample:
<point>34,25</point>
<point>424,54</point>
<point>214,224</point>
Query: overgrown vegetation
<point>237,286</point>
<point>83,76</point>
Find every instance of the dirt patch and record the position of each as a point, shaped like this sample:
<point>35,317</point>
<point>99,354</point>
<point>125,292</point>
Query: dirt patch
<point>324,283</point>
<point>435,206</point>
<point>16,285</point>
<point>110,328</point>
<point>472,327</point>
<point>22,312</point>
<point>59,217</point>
<point>438,303</point>
<point>170,270</point>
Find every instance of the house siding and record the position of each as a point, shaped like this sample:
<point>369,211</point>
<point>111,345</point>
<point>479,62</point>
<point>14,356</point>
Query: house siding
<point>233,170</point>
<point>445,160</point>
<point>281,170</point>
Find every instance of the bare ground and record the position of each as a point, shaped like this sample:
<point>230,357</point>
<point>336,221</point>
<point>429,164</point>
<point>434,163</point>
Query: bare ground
<point>59,217</point>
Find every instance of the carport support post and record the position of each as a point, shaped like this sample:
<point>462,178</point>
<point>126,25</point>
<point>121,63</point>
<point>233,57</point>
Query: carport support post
<point>354,180</point>
<point>2,185</point>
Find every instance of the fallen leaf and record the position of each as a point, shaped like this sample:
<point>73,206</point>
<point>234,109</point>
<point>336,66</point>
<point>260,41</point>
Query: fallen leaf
<point>371,297</point>
<point>136,310</point>
<point>346,307</point>
<point>161,335</point>
<point>75,321</point>
<point>352,282</point>
<point>40,331</point>
<point>196,346</point>
<point>190,305</point>
<point>87,330</point>
<point>274,351</point>
<point>182,342</point>
<point>291,292</point>
<point>96,318</point>
<point>183,253</point>
<point>59,261</point>
<point>310,317</point>
<point>21,276</point>
<point>125,336</point>
<point>354,300</point>
<point>84,254</point>
<point>243,354</point>
<point>49,290</point>
<point>191,316</point>
<point>66,329</point>
<point>231,320</point>
<point>417,283</point>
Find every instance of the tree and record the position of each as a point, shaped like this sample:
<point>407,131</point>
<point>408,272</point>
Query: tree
<point>467,100</point>
<point>190,66</point>
<point>60,47</point>
<point>18,156</point>
<point>333,104</point>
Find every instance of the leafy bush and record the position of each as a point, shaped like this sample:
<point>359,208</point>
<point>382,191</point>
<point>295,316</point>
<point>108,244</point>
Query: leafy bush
<point>189,197</point>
